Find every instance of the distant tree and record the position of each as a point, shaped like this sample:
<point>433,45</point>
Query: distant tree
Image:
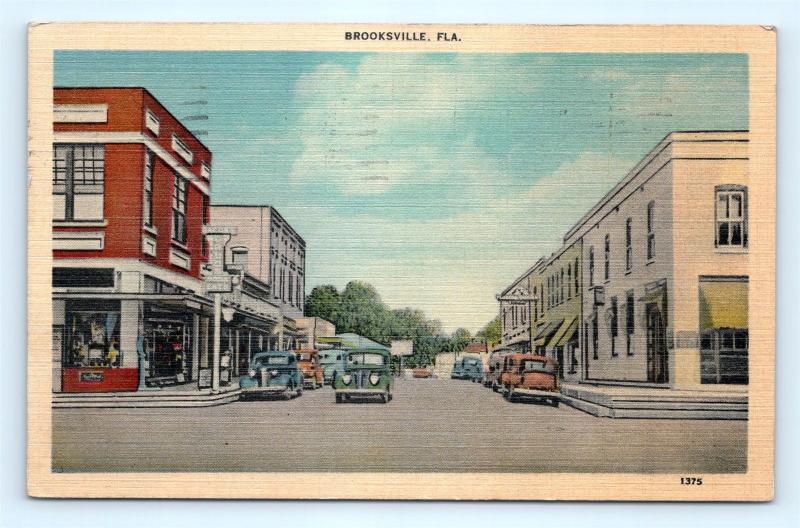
<point>491,333</point>
<point>325,302</point>
<point>460,339</point>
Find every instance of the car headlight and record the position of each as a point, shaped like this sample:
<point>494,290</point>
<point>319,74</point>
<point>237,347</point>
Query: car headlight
<point>273,373</point>
<point>374,378</point>
<point>251,373</point>
<point>346,379</point>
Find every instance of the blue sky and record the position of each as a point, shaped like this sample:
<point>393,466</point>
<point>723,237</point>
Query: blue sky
<point>437,177</point>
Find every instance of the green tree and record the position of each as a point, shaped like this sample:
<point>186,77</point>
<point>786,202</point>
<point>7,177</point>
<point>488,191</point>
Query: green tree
<point>491,333</point>
<point>325,302</point>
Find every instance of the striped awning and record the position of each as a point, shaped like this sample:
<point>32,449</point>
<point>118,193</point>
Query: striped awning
<point>547,332</point>
<point>568,332</point>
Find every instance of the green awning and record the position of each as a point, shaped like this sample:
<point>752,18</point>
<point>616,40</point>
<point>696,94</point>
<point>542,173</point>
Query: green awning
<point>547,332</point>
<point>568,332</point>
<point>723,304</point>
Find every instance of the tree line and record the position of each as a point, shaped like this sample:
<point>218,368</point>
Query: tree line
<point>358,308</point>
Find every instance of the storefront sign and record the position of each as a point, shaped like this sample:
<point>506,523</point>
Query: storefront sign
<point>92,377</point>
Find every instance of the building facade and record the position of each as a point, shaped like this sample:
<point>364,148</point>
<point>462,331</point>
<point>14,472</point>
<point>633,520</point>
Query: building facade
<point>558,291</point>
<point>277,254</point>
<point>519,302</point>
<point>312,328</point>
<point>665,301</point>
<point>130,196</point>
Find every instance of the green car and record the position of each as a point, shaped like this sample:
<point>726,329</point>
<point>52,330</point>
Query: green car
<point>366,373</point>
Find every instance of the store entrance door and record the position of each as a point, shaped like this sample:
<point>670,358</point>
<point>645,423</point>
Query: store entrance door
<point>656,345</point>
<point>167,346</point>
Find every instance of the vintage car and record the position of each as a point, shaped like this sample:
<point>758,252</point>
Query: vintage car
<point>422,372</point>
<point>528,376</point>
<point>333,362</point>
<point>309,362</point>
<point>468,368</point>
<point>272,374</point>
<point>491,377</point>
<point>367,373</point>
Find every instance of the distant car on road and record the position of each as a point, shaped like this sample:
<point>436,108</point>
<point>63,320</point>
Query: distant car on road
<point>308,361</point>
<point>367,373</point>
<point>528,376</point>
<point>491,377</point>
<point>333,362</point>
<point>421,372</point>
<point>468,368</point>
<point>273,373</point>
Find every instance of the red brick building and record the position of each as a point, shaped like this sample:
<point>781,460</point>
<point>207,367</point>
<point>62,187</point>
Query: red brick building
<point>131,189</point>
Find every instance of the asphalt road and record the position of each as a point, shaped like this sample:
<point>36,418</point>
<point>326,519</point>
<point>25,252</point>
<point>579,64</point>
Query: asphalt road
<point>431,425</point>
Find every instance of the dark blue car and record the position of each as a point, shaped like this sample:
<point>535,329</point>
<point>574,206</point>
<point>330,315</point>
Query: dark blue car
<point>273,374</point>
<point>468,368</point>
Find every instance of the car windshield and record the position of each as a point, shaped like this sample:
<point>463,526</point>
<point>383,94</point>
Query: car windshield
<point>364,359</point>
<point>471,362</point>
<point>538,366</point>
<point>273,360</point>
<point>304,357</point>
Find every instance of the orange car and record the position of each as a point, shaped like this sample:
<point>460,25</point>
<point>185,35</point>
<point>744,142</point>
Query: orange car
<point>421,373</point>
<point>308,361</point>
<point>528,376</point>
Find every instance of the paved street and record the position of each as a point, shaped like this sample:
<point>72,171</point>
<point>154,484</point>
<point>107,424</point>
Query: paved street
<point>432,425</point>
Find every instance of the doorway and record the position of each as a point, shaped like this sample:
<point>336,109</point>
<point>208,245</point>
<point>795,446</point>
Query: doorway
<point>656,345</point>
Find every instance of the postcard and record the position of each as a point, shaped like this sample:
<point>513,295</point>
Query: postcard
<point>471,262</point>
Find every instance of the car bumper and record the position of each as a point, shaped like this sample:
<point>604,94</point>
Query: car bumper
<point>536,393</point>
<point>275,389</point>
<point>360,392</point>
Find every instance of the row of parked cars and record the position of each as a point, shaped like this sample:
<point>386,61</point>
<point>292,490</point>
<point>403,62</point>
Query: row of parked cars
<point>517,376</point>
<point>357,373</point>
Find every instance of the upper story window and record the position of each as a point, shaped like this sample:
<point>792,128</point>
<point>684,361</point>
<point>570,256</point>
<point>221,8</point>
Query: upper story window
<point>203,241</point>
<point>205,170</point>
<point>651,234</point>
<point>182,150</point>
<point>147,206</point>
<point>577,277</point>
<point>591,266</point>
<point>151,121</point>
<point>78,182</point>
<point>607,258</point>
<point>731,216</point>
<point>179,210</point>
<point>628,244</point>
<point>561,287</point>
<point>569,281</point>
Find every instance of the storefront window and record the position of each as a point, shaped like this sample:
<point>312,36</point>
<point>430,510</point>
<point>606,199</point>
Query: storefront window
<point>93,339</point>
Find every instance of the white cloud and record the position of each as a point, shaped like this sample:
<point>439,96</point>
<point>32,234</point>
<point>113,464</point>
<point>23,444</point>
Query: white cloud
<point>452,268</point>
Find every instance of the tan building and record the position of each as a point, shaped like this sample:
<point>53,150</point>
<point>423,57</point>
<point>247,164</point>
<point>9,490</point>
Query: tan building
<point>517,303</point>
<point>666,267</point>
<point>277,254</point>
<point>558,297</point>
<point>312,328</point>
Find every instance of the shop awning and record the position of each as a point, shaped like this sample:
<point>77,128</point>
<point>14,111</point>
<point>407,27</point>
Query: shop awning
<point>547,332</point>
<point>723,304</point>
<point>565,334</point>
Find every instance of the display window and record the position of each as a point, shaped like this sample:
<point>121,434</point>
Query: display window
<point>166,343</point>
<point>93,339</point>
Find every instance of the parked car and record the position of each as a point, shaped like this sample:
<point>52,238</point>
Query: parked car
<point>528,376</point>
<point>367,373</point>
<point>491,377</point>
<point>333,362</point>
<point>273,373</point>
<point>422,372</point>
<point>308,361</point>
<point>468,368</point>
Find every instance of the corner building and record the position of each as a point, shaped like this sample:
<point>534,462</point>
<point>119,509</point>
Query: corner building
<point>665,268</point>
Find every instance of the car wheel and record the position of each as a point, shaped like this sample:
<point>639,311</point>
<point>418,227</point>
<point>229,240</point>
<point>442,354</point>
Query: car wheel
<point>298,392</point>
<point>495,388</point>
<point>510,393</point>
<point>389,394</point>
<point>338,398</point>
<point>384,398</point>
<point>554,403</point>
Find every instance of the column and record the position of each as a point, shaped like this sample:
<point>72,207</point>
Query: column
<point>129,326</point>
<point>195,346</point>
<point>59,329</point>
<point>205,329</point>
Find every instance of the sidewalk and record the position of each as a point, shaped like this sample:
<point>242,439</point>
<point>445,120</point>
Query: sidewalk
<point>644,402</point>
<point>185,395</point>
